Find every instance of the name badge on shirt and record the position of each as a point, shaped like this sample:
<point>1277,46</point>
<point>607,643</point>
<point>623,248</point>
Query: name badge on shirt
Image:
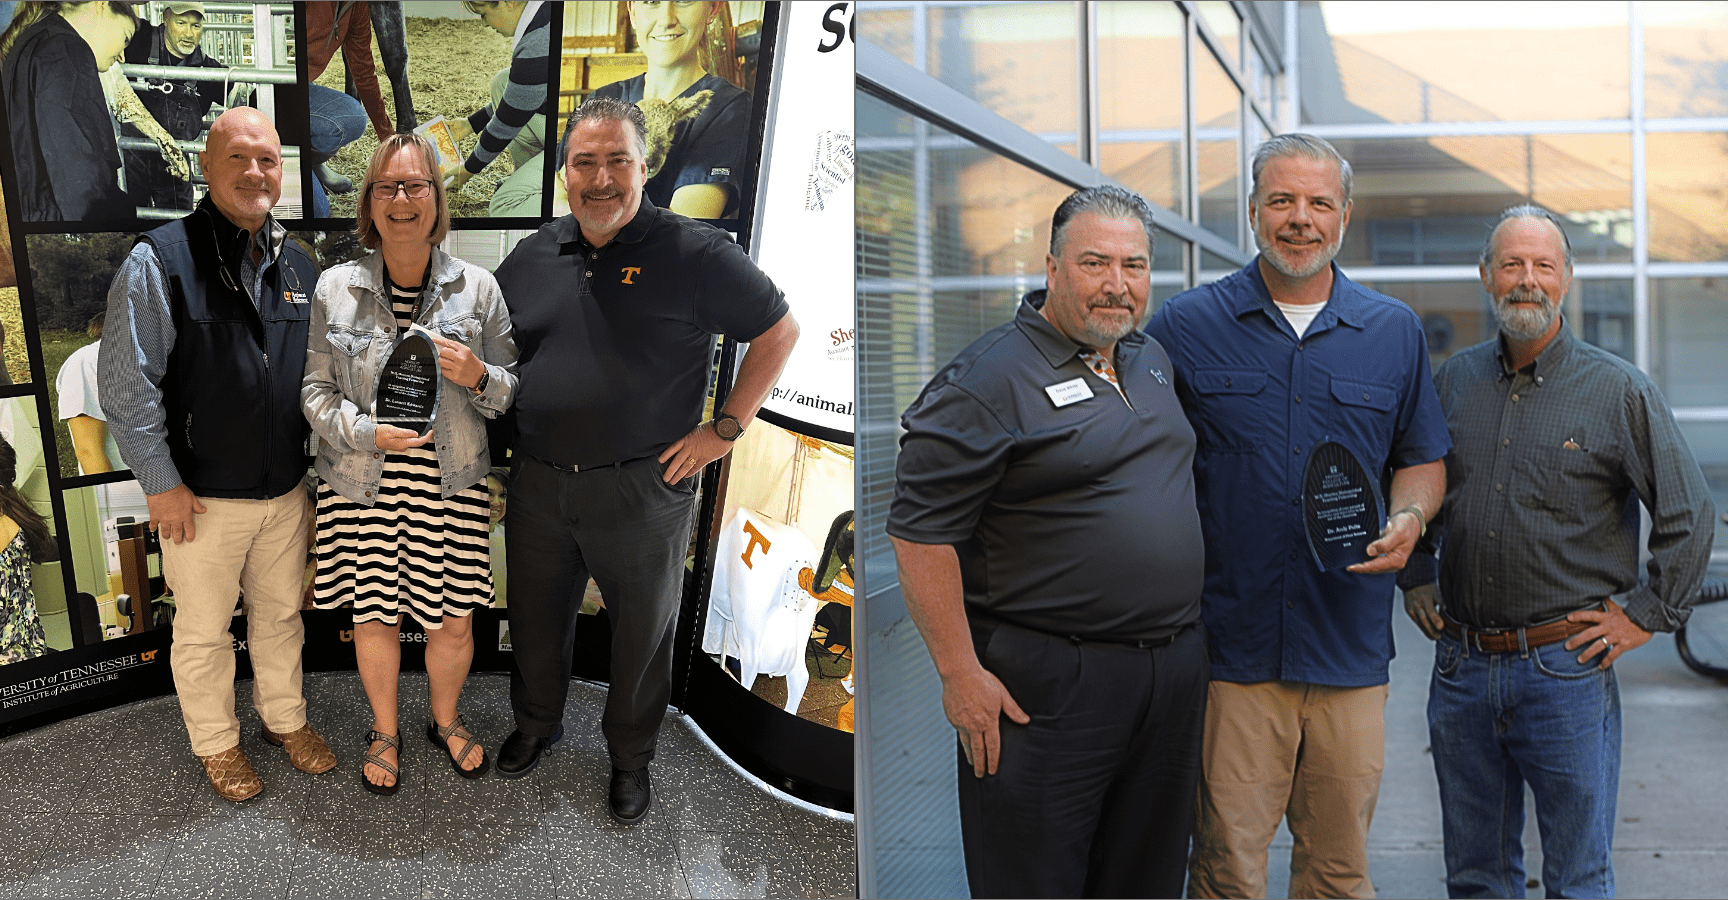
<point>295,297</point>
<point>1069,392</point>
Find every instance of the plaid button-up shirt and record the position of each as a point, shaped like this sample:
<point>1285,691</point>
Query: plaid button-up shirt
<point>1542,489</point>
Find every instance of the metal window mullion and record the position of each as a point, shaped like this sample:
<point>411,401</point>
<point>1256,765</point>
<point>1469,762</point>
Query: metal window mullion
<point>1242,174</point>
<point>1213,43</point>
<point>1470,129</point>
<point>1190,140</point>
<point>1088,52</point>
<point>1642,337</point>
<point>1292,70</point>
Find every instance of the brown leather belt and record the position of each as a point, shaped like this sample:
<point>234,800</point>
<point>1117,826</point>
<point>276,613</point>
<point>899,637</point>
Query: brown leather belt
<point>1506,640</point>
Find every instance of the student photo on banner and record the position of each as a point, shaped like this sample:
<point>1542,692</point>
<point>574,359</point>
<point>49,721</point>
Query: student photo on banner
<point>32,600</point>
<point>691,67</point>
<point>69,278</point>
<point>780,608</point>
<point>15,367</point>
<point>108,104</point>
<point>479,76</point>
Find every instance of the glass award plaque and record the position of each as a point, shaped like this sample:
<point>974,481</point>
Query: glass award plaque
<point>1341,506</point>
<point>407,394</point>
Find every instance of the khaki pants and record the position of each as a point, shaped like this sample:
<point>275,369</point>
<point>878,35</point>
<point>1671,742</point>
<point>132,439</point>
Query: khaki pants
<point>1279,749</point>
<point>251,547</point>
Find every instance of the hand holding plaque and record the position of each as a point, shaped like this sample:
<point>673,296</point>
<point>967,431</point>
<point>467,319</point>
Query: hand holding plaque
<point>1341,506</point>
<point>407,394</point>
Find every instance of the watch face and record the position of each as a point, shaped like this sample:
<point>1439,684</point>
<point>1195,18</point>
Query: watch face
<point>728,428</point>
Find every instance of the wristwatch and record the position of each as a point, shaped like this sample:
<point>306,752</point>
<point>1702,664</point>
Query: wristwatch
<point>480,386</point>
<point>727,427</point>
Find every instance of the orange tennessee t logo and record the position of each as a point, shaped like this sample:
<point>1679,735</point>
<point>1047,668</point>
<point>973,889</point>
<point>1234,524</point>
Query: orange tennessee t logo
<point>629,272</point>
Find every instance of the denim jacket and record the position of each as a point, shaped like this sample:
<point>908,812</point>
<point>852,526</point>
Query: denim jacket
<point>353,330</point>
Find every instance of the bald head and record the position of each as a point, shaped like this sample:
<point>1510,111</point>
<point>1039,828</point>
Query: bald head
<point>242,160</point>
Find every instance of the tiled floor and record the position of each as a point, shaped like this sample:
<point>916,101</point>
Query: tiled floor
<point>112,804</point>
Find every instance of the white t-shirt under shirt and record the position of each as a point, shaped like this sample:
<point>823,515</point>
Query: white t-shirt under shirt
<point>76,384</point>
<point>1300,315</point>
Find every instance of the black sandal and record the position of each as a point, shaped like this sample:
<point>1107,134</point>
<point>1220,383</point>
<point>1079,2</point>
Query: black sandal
<point>440,737</point>
<point>392,741</point>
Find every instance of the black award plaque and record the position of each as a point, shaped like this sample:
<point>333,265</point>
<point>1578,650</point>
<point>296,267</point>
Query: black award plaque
<point>407,394</point>
<point>1342,507</point>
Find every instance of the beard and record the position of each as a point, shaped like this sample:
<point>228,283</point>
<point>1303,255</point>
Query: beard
<point>1291,268</point>
<point>1525,323</point>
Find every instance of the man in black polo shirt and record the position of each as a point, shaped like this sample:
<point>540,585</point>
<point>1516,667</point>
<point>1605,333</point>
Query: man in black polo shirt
<point>1050,554</point>
<point>615,309</point>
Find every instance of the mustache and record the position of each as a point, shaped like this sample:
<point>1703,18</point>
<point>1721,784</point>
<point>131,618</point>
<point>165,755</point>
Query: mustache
<point>606,194</point>
<point>1527,295</point>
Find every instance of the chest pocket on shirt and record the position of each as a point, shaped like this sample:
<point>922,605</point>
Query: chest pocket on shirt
<point>463,329</point>
<point>1560,481</point>
<point>1233,407</point>
<point>348,347</point>
<point>1366,409</point>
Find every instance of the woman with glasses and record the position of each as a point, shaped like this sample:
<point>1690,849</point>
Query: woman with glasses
<point>403,516</point>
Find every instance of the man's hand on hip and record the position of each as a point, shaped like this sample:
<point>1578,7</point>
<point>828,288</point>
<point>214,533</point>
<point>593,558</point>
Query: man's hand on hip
<point>974,705</point>
<point>172,513</point>
<point>1611,633</point>
<point>1423,605</point>
<point>690,453</point>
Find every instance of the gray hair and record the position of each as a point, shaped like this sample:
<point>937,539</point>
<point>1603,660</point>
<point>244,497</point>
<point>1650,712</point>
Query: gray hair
<point>1107,200</point>
<point>1306,146</point>
<point>605,109</point>
<point>1525,211</point>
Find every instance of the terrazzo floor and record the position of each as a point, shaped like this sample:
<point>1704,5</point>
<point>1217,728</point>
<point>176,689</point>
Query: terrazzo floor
<point>113,804</point>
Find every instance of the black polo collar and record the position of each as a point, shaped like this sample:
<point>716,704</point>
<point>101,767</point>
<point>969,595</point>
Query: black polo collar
<point>567,230</point>
<point>1054,345</point>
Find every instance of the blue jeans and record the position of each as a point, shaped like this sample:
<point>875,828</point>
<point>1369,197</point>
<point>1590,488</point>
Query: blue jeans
<point>1499,720</point>
<point>337,120</point>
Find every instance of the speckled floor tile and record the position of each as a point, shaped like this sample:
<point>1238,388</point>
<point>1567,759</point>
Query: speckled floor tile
<point>573,792</point>
<point>104,856</point>
<point>616,862</point>
<point>764,865</point>
<point>114,804</point>
<point>464,860</point>
<point>229,858</point>
<point>703,794</point>
<point>357,859</point>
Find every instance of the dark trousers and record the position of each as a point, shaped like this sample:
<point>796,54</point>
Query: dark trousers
<point>1095,797</point>
<point>628,529</point>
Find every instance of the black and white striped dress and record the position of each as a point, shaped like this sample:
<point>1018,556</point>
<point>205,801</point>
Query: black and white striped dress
<point>413,551</point>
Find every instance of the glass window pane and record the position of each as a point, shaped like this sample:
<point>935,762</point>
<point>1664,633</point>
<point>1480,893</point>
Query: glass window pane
<point>1168,251</point>
<point>1217,119</point>
<point>1691,322</point>
<point>890,29</point>
<point>1140,130</point>
<point>1452,61</point>
<point>1020,60</point>
<point>1456,314</point>
<point>1214,267</point>
<point>1684,45</point>
<point>1709,444</point>
<point>1687,176</point>
<point>1221,20</point>
<point>1430,201</point>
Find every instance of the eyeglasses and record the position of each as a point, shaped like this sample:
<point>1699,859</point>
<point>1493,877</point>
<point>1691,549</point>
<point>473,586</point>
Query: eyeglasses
<point>416,188</point>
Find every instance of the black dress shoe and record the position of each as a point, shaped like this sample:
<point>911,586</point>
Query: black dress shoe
<point>521,753</point>
<point>629,795</point>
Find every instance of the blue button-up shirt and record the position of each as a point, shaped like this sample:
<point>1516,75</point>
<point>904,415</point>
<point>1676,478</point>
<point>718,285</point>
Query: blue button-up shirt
<point>1260,398</point>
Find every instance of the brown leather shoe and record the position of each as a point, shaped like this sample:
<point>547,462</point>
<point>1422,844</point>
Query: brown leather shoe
<point>306,750</point>
<point>232,775</point>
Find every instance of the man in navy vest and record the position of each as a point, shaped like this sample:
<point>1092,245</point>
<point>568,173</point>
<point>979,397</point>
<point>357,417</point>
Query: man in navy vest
<point>200,380</point>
